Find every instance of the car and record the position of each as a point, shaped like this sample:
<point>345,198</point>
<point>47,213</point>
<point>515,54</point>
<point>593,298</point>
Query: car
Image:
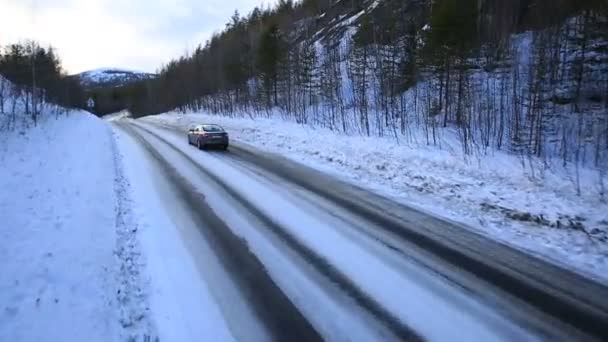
<point>208,135</point>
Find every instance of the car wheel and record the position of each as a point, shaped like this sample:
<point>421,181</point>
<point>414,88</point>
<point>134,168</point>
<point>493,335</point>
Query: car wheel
<point>225,147</point>
<point>198,144</point>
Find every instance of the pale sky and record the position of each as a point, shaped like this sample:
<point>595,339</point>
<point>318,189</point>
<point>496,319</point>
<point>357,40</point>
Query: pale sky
<point>133,34</point>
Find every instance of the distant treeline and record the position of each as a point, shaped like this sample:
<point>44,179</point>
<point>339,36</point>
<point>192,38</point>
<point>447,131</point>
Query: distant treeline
<point>36,72</point>
<point>109,99</point>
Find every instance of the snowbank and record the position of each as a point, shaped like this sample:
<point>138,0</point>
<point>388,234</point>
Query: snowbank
<point>68,261</point>
<point>531,208</point>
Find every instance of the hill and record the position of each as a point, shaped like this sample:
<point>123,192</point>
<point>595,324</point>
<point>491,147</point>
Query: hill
<point>111,77</point>
<point>524,76</point>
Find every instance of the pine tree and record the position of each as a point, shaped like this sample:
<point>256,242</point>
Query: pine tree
<point>269,56</point>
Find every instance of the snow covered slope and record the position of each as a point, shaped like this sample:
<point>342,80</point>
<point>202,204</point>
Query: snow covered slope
<point>69,262</point>
<point>15,107</point>
<point>111,77</point>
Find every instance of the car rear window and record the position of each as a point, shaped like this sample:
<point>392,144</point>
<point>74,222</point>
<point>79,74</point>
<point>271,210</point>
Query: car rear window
<point>210,128</point>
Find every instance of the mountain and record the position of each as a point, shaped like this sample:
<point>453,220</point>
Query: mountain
<point>111,77</point>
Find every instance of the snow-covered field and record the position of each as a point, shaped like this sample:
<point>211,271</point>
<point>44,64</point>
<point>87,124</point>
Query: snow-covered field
<point>69,260</point>
<point>532,208</point>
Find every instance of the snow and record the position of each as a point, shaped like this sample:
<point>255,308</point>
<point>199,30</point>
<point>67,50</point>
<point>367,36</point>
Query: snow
<point>65,250</point>
<point>532,208</point>
<point>182,306</point>
<point>13,114</point>
<point>114,70</point>
<point>423,308</point>
<point>107,75</point>
<point>97,244</point>
<point>109,72</point>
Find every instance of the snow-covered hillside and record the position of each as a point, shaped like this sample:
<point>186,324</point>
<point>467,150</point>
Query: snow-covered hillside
<point>16,108</point>
<point>104,77</point>
<point>539,94</point>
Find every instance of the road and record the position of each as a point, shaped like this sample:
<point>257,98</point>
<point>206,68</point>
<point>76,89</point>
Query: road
<point>310,257</point>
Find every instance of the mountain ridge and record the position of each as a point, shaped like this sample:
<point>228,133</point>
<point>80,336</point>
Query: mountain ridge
<point>111,77</point>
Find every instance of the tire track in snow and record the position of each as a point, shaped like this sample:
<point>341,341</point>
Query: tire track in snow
<point>588,316</point>
<point>392,323</point>
<point>278,314</point>
<point>564,299</point>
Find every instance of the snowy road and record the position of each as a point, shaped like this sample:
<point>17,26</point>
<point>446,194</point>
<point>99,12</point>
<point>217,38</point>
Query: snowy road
<point>275,250</point>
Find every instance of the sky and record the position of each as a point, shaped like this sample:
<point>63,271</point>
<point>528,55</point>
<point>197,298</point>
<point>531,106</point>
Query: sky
<point>132,34</point>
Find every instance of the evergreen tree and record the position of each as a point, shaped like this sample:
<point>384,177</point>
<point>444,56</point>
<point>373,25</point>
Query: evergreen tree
<point>269,56</point>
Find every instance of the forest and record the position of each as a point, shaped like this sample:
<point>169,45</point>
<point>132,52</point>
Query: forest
<point>36,77</point>
<point>527,76</point>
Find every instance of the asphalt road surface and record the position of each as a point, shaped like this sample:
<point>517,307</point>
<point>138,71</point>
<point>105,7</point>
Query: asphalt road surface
<point>369,268</point>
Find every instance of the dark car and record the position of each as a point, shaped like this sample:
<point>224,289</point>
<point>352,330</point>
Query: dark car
<point>203,136</point>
